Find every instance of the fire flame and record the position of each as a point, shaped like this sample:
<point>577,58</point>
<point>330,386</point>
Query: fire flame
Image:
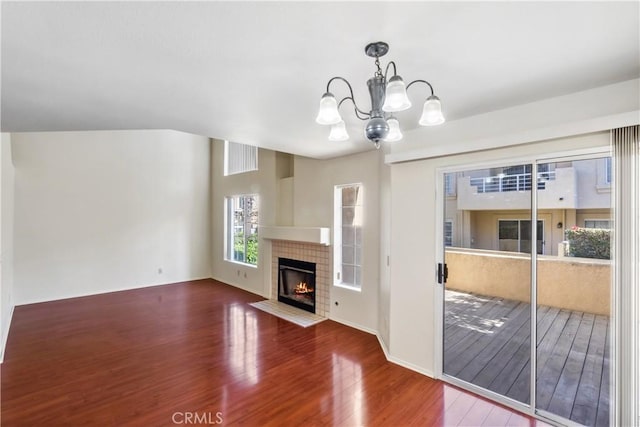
<point>302,288</point>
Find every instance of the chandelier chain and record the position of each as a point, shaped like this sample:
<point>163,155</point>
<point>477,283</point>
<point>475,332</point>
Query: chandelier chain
<point>379,70</point>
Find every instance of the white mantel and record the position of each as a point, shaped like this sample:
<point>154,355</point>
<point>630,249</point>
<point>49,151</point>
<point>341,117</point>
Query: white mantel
<point>317,235</point>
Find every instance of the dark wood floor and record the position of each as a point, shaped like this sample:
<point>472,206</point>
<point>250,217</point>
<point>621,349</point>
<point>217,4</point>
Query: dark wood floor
<point>197,353</point>
<point>487,344</point>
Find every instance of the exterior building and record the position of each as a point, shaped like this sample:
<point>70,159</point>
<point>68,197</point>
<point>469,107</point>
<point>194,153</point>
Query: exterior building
<point>491,208</point>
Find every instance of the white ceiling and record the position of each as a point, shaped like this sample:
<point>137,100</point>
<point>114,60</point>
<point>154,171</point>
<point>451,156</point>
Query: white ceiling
<point>253,72</point>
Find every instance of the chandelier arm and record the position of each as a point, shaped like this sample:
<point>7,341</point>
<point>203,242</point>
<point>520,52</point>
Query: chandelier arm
<point>355,107</point>
<point>358,112</point>
<point>421,81</point>
<point>386,71</point>
<point>352,98</point>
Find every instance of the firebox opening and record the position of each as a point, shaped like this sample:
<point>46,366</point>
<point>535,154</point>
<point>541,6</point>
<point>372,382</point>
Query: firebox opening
<point>297,283</point>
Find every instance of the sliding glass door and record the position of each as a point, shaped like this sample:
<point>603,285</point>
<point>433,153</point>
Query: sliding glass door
<point>487,311</point>
<point>530,328</point>
<point>573,292</point>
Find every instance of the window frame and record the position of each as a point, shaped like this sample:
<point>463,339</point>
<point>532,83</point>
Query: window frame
<point>598,220</point>
<point>338,246</point>
<point>540,230</point>
<point>249,159</point>
<point>230,227</point>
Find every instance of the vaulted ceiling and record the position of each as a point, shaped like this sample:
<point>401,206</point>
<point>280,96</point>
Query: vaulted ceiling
<point>253,72</point>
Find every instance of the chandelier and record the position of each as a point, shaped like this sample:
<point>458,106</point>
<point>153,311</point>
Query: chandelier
<point>387,97</point>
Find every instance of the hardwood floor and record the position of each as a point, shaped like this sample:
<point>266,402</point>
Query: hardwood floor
<point>487,344</point>
<point>197,353</point>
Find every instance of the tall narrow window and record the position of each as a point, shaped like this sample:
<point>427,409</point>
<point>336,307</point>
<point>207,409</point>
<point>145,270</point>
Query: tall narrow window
<point>242,229</point>
<point>348,221</point>
<point>239,158</point>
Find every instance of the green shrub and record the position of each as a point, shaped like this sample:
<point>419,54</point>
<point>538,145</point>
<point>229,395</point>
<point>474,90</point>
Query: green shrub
<point>252,248</point>
<point>589,242</point>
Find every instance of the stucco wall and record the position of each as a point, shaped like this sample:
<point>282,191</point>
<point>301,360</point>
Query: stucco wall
<point>577,284</point>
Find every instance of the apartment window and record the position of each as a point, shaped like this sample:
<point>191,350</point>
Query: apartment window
<point>607,170</point>
<point>239,158</point>
<point>597,223</point>
<point>514,235</point>
<point>242,229</point>
<point>348,222</point>
<point>448,232</point>
<point>450,184</point>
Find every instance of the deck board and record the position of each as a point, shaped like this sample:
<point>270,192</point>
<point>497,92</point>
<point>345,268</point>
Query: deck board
<point>588,390</point>
<point>486,343</point>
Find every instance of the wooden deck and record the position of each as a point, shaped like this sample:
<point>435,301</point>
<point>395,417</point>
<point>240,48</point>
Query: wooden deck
<point>486,343</point>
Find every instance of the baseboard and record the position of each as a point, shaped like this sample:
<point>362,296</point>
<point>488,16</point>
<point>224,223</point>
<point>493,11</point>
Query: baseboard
<point>108,291</point>
<point>355,326</point>
<point>383,346</point>
<point>401,362</point>
<point>239,286</point>
<point>6,336</point>
<point>411,366</point>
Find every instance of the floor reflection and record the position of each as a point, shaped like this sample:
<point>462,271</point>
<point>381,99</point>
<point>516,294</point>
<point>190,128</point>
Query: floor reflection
<point>241,334</point>
<point>347,389</point>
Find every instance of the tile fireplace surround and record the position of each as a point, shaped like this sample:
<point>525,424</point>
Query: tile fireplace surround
<point>309,252</point>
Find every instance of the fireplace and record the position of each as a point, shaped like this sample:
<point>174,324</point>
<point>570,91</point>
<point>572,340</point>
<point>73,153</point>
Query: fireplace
<point>297,283</point>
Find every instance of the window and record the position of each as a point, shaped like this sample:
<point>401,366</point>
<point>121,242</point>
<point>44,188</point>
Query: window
<point>514,235</point>
<point>242,229</point>
<point>603,169</point>
<point>448,232</point>
<point>450,184</point>
<point>597,223</point>
<point>347,229</point>
<point>239,158</point>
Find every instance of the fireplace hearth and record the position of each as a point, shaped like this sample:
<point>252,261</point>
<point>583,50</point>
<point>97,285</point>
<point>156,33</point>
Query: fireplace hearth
<point>297,283</point>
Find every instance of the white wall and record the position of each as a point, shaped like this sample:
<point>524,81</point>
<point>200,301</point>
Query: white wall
<point>104,211</point>
<point>262,182</point>
<point>589,111</point>
<point>413,299</point>
<point>6,241</point>
<point>384,296</point>
<point>313,188</point>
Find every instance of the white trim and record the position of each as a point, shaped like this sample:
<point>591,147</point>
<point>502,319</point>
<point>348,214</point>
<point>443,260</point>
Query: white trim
<point>318,235</point>
<point>6,337</point>
<point>411,366</point>
<point>438,289</point>
<point>337,237</point>
<point>575,128</point>
<point>401,362</point>
<point>354,325</point>
<point>239,286</point>
<point>533,297</point>
<point>383,346</point>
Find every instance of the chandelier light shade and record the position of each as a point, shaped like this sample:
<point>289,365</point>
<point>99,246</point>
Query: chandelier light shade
<point>396,98</point>
<point>338,132</point>
<point>395,134</point>
<point>431,112</point>
<point>328,113</point>
<point>387,96</point>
